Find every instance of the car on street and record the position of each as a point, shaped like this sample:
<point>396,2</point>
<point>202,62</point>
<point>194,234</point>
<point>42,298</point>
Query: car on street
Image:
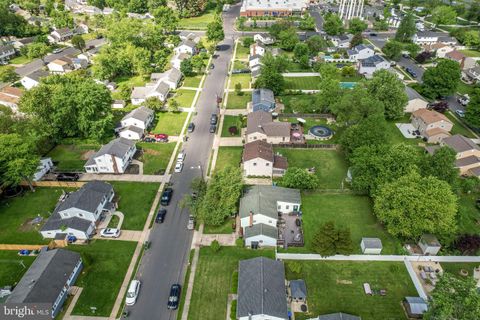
<point>148,139</point>
<point>132,293</point>
<point>166,196</point>
<point>411,72</point>
<point>178,167</point>
<point>58,50</point>
<point>161,215</point>
<point>460,113</point>
<point>464,100</point>
<point>214,119</point>
<point>181,156</point>
<point>110,233</point>
<point>213,128</point>
<point>174,297</point>
<point>191,127</point>
<point>372,34</point>
<point>191,222</point>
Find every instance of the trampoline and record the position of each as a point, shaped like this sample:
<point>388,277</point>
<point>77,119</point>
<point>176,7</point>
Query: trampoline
<point>320,132</point>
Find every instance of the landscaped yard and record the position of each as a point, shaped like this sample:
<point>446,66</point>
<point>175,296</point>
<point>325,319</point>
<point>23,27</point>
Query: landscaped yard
<point>346,210</point>
<point>12,267</point>
<point>131,81</point>
<point>242,52</point>
<point>238,102</point>
<point>197,23</point>
<point>184,97</point>
<point>231,121</point>
<point>291,100</point>
<point>464,88</point>
<point>337,286</point>
<point>455,267</point>
<point>471,53</point>
<point>458,127</point>
<point>240,65</point>
<point>468,215</point>
<point>244,79</point>
<point>135,201</point>
<point>224,228</point>
<point>228,156</point>
<point>193,81</point>
<point>156,156</point>
<point>214,280</point>
<point>299,83</point>
<point>170,123</point>
<point>105,265</point>
<point>72,157</point>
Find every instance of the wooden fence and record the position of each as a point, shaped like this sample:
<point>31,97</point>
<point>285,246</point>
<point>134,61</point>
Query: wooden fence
<point>17,247</point>
<point>64,184</point>
<point>308,146</point>
<point>306,115</point>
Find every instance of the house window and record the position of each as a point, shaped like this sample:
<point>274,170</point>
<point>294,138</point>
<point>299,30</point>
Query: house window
<point>279,207</point>
<point>267,164</point>
<point>254,164</point>
<point>254,221</point>
<point>80,215</point>
<point>287,207</point>
<point>295,208</point>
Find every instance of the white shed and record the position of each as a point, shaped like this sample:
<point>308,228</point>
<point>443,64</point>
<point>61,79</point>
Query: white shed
<point>371,245</point>
<point>429,245</point>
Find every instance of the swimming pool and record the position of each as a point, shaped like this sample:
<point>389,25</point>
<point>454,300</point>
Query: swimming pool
<point>347,85</point>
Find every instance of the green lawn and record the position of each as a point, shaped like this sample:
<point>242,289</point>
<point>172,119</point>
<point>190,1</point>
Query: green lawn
<point>228,156</point>
<point>291,100</point>
<point>72,157</point>
<point>213,280</point>
<point>197,23</point>
<point>347,210</point>
<point>238,102</point>
<point>12,267</point>
<point>16,213</point>
<point>464,88</point>
<point>131,81</point>
<point>135,201</point>
<point>156,156</point>
<point>185,97</point>
<point>224,228</point>
<point>468,216</point>
<point>231,121</point>
<point>242,52</point>
<point>310,122</point>
<point>240,65</point>
<point>455,267</point>
<point>471,53</point>
<point>395,136</point>
<point>105,265</point>
<point>170,123</point>
<point>20,60</point>
<point>331,167</point>
<point>337,286</point>
<point>299,83</point>
<point>458,127</point>
<point>244,79</point>
<point>193,81</point>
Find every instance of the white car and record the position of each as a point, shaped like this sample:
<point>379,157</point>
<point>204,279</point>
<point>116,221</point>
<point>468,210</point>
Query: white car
<point>179,166</point>
<point>464,100</point>
<point>460,113</point>
<point>110,233</point>
<point>132,293</point>
<point>181,156</point>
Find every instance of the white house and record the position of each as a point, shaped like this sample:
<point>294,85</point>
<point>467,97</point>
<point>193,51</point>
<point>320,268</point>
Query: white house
<point>259,160</point>
<point>118,104</point>
<point>60,35</point>
<point>368,66</point>
<point>171,77</point>
<point>254,60</point>
<point>177,60</point>
<point>60,65</point>
<point>257,48</point>
<point>159,90</point>
<point>114,157</point>
<point>6,52</point>
<point>360,52</point>
<point>33,79</point>
<point>263,38</point>
<point>44,166</point>
<point>134,124</point>
<point>371,245</point>
<point>425,38</point>
<point>186,46</point>
<point>342,41</point>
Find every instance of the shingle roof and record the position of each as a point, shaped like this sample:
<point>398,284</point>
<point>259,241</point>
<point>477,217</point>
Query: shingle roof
<point>258,149</point>
<point>372,243</point>
<point>412,93</point>
<point>174,75</point>
<point>6,49</point>
<point>87,198</point>
<point>467,161</point>
<point>261,229</point>
<point>188,43</point>
<point>36,75</point>
<point>134,129</point>
<point>262,96</point>
<point>55,222</point>
<point>298,289</point>
<point>372,61</point>
<point>141,113</point>
<point>460,143</point>
<point>162,88</point>
<point>261,288</point>
<point>338,316</point>
<point>117,147</point>
<point>430,116</point>
<point>261,121</point>
<point>455,55</point>
<point>46,277</point>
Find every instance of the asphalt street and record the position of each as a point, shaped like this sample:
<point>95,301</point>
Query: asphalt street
<point>165,262</point>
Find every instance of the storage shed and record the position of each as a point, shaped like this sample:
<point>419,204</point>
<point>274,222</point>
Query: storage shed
<point>415,307</point>
<point>371,245</point>
<point>429,245</point>
<point>298,290</point>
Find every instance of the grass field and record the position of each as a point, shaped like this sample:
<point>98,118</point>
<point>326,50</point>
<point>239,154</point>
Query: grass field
<point>105,265</point>
<point>299,83</point>
<point>184,97</point>
<point>238,102</point>
<point>346,210</point>
<point>197,23</point>
<point>135,201</point>
<point>20,60</point>
<point>228,156</point>
<point>213,280</point>
<point>455,267</point>
<point>331,167</point>
<point>170,123</point>
<point>335,286</point>
<point>193,81</point>
<point>468,215</point>
<point>131,81</point>
<point>242,52</point>
<point>156,156</point>
<point>291,100</point>
<point>244,79</point>
<point>13,267</point>
<point>224,228</point>
<point>240,65</point>
<point>231,121</point>
<point>458,127</point>
<point>464,88</point>
<point>471,53</point>
<point>72,157</point>
<point>17,212</point>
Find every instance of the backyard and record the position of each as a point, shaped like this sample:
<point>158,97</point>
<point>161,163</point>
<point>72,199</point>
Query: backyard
<point>224,228</point>
<point>244,80</point>
<point>72,157</point>
<point>291,100</point>
<point>155,156</point>
<point>105,265</point>
<point>458,127</point>
<point>302,83</point>
<point>337,286</point>
<point>455,268</point>
<point>238,102</point>
<point>184,97</point>
<point>12,267</point>
<point>214,281</point>
<point>197,23</point>
<point>192,81</point>
<point>468,215</point>
<point>231,121</point>
<point>228,156</point>
<point>170,123</point>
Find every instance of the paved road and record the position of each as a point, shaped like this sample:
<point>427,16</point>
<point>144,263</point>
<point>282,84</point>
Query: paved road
<point>315,13</point>
<point>164,263</point>
<point>37,64</point>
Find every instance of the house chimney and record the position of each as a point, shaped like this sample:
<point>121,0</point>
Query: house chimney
<point>251,218</point>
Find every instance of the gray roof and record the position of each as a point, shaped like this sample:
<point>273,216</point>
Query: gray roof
<point>358,48</point>
<point>298,289</point>
<point>338,316</point>
<point>36,75</point>
<point>255,56</point>
<point>63,31</point>
<point>466,161</point>
<point>87,198</point>
<point>141,113</point>
<point>6,49</point>
<point>174,75</point>
<point>263,97</point>
<point>55,222</point>
<point>261,288</point>
<point>256,72</point>
<point>188,43</point>
<point>117,147</point>
<point>261,229</point>
<point>46,277</point>
<point>134,129</point>
<point>263,200</point>
<point>417,305</point>
<point>372,243</point>
<point>162,88</point>
<point>412,94</point>
<point>460,143</point>
<point>261,121</point>
<point>372,61</point>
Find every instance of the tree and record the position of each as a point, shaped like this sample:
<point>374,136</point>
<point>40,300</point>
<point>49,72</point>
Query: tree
<point>444,15</point>
<point>472,114</point>
<point>198,63</point>
<point>406,29</point>
<point>300,50</point>
<point>441,80</point>
<point>390,90</point>
<point>329,240</point>
<point>247,42</point>
<point>357,26</point>
<point>173,105</point>
<point>413,205</point>
<point>393,50</point>
<point>356,40</point>
<point>154,103</point>
<point>288,39</point>
<point>468,244</point>
<point>333,25</point>
<point>355,105</point>
<point>37,50</point>
<point>215,246</point>
<point>166,18</point>
<point>215,29</point>
<point>329,91</point>
<point>278,27</point>
<point>412,48</point>
<point>186,67</point>
<point>454,298</point>
<point>315,44</point>
<point>299,178</point>
<point>78,42</point>
<point>238,89</point>
<point>271,79</point>
<point>441,165</point>
<point>307,22</point>
<point>471,38</point>
<point>8,74</point>
<point>380,25</point>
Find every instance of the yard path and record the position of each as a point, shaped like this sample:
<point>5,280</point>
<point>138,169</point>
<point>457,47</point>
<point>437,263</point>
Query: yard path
<point>234,112</point>
<point>370,257</point>
<point>126,177</point>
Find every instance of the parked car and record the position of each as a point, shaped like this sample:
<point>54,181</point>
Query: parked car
<point>161,215</point>
<point>214,119</point>
<point>411,72</point>
<point>213,128</point>
<point>440,106</point>
<point>110,233</point>
<point>212,66</point>
<point>166,196</point>
<point>149,139</point>
<point>181,156</point>
<point>373,34</point>
<point>174,297</point>
<point>178,167</point>
<point>460,113</point>
<point>132,293</point>
<point>405,55</point>
<point>464,100</point>
<point>68,176</point>
<point>191,127</point>
<point>191,222</point>
<point>58,50</point>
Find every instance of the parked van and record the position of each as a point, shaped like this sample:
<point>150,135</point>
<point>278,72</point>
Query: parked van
<point>132,293</point>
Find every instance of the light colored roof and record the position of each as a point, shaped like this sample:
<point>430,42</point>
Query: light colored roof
<point>430,240</point>
<point>60,62</point>
<point>141,113</point>
<point>436,131</point>
<point>417,305</point>
<point>36,75</point>
<point>12,91</point>
<point>460,143</point>
<point>162,88</point>
<point>430,116</point>
<point>372,243</point>
<point>8,99</point>
<point>139,92</point>
<point>134,129</point>
<point>261,229</point>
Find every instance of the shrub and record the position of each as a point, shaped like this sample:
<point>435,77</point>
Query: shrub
<point>239,243</point>
<point>215,246</point>
<point>233,130</point>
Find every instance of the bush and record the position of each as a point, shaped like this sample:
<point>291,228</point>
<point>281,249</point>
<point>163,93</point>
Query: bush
<point>234,282</point>
<point>215,246</point>
<point>233,310</point>
<point>233,130</point>
<point>239,243</point>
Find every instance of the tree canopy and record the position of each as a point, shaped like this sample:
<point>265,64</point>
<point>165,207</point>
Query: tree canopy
<point>329,240</point>
<point>390,90</point>
<point>472,114</point>
<point>333,25</point>
<point>406,29</point>
<point>441,80</point>
<point>215,29</point>
<point>299,178</point>
<point>393,50</point>
<point>444,15</point>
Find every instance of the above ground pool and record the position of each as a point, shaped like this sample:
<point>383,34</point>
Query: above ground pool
<point>347,85</point>
<point>320,132</point>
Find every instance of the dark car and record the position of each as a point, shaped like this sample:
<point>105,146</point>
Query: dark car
<point>214,119</point>
<point>440,106</point>
<point>148,139</point>
<point>212,66</point>
<point>161,215</point>
<point>166,196</point>
<point>213,128</point>
<point>191,127</point>
<point>373,34</point>
<point>68,177</point>
<point>174,297</point>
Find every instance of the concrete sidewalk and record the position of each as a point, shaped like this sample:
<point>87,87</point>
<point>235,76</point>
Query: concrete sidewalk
<point>126,177</point>
<point>370,257</point>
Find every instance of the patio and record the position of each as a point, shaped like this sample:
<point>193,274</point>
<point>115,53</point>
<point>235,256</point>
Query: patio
<point>407,130</point>
<point>290,233</point>
<point>296,134</point>
<point>428,274</point>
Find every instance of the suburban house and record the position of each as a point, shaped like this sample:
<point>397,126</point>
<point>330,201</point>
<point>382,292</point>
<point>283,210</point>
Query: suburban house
<point>134,124</point>
<point>158,90</point>
<point>255,8</point>
<point>468,154</point>
<point>118,104</point>
<point>60,35</point>
<point>464,61</point>
<point>60,65</point>
<point>439,49</point>
<point>114,157</point>
<point>260,208</point>
<point>432,125</point>
<point>342,41</point>
<point>256,71</point>
<point>48,279</point>
<point>472,75</point>
<point>336,316</point>
<point>263,38</point>
<point>33,79</point>
<point>429,245</point>
<point>44,166</point>
<point>20,43</point>
<point>10,96</point>
<point>415,307</point>
<point>415,100</point>
<point>259,160</point>
<point>254,60</point>
<point>186,46</point>
<point>360,52</point>
<point>77,212</point>
<point>171,77</point>
<point>177,60</point>
<point>263,99</point>
<point>374,63</point>
<point>258,48</point>
<point>261,290</point>
<point>425,38</point>
<point>6,52</point>
<point>371,246</point>
<point>260,126</point>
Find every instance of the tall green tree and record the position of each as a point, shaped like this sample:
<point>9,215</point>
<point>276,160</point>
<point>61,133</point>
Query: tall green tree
<point>8,74</point>
<point>441,80</point>
<point>329,240</point>
<point>406,29</point>
<point>333,25</point>
<point>288,39</point>
<point>387,88</point>
<point>472,114</point>
<point>356,26</point>
<point>271,79</point>
<point>441,165</point>
<point>299,178</point>
<point>78,42</point>
<point>444,15</point>
<point>300,50</point>
<point>215,30</point>
<point>355,105</point>
<point>37,50</point>
<point>393,50</point>
<point>307,22</point>
<point>166,18</point>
